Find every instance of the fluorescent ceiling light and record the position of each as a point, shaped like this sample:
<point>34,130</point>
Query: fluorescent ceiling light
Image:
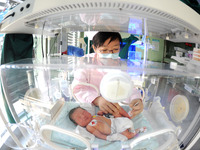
<point>3,1</point>
<point>2,8</point>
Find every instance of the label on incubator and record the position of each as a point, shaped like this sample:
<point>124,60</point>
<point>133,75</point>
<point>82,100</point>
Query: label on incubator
<point>189,89</point>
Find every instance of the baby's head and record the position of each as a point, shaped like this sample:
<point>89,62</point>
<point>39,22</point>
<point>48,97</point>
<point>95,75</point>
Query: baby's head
<point>80,116</point>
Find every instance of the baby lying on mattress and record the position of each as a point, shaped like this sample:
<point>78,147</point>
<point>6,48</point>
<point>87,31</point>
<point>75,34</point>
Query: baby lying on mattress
<point>111,129</point>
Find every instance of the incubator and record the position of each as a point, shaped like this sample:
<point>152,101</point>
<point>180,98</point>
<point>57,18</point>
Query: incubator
<point>171,102</point>
<point>42,92</point>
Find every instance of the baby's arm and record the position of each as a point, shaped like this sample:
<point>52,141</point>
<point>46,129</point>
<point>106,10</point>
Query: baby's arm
<point>95,132</point>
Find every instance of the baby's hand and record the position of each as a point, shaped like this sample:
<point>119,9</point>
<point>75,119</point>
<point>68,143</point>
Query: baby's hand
<point>136,106</point>
<point>100,113</point>
<point>108,115</point>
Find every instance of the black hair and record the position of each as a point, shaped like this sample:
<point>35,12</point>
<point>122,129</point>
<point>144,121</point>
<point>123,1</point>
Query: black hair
<point>71,113</point>
<point>100,38</point>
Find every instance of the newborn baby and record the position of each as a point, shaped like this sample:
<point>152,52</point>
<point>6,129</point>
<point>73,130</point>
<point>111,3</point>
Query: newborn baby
<point>111,129</point>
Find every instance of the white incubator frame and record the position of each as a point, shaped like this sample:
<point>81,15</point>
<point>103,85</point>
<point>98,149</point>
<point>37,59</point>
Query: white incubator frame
<point>166,18</point>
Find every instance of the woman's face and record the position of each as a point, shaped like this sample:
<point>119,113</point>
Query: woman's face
<point>82,117</point>
<point>108,48</point>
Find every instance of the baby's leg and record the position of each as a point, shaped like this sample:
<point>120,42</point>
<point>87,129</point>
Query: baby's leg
<point>140,130</point>
<point>128,134</point>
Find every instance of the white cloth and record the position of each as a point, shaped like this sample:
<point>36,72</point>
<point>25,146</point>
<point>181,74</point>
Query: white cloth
<point>120,124</point>
<point>116,137</point>
<point>83,132</point>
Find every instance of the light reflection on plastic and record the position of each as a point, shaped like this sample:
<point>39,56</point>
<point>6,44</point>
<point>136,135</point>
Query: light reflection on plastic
<point>12,66</point>
<point>133,55</point>
<point>135,26</point>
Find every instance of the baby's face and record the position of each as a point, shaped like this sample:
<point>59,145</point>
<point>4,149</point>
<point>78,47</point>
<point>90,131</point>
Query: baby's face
<point>82,117</point>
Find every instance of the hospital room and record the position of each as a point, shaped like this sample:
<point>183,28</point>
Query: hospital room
<point>100,75</point>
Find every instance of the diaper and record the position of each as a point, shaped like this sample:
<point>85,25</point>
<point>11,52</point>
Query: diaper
<point>120,124</point>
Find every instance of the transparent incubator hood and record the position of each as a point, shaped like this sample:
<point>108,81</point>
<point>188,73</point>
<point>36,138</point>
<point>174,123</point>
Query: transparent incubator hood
<point>163,19</point>
<point>41,94</point>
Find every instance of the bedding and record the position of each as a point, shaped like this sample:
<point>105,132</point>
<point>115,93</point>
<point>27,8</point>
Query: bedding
<point>69,142</point>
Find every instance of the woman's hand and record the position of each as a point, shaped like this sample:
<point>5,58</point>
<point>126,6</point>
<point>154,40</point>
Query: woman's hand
<point>137,107</point>
<point>106,106</point>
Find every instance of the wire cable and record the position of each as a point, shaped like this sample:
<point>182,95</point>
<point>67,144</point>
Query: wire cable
<point>42,39</point>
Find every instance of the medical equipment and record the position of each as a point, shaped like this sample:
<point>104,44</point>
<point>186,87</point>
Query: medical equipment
<point>82,15</point>
<point>50,19</point>
<point>179,108</point>
<point>117,87</point>
<point>164,132</point>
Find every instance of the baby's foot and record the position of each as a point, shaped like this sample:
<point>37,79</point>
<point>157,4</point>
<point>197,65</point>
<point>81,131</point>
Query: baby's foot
<point>143,129</point>
<point>140,130</point>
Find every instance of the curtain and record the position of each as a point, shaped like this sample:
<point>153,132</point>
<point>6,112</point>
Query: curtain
<point>124,52</point>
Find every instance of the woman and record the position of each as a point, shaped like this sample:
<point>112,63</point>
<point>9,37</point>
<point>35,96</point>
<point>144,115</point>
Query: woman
<point>107,47</point>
